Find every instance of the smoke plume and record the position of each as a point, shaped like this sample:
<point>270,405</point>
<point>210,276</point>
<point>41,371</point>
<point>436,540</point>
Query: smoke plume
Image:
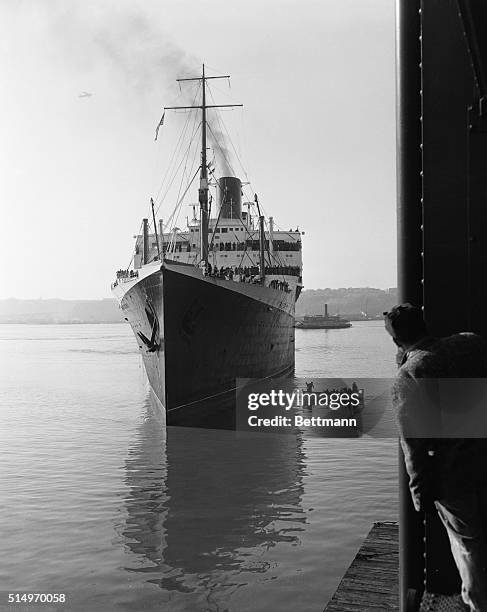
<point>122,39</point>
<point>221,147</point>
<point>130,43</point>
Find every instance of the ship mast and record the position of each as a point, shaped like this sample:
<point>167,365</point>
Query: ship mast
<point>203,188</point>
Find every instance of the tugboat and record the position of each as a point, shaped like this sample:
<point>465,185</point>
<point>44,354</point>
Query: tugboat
<point>214,302</point>
<point>325,321</point>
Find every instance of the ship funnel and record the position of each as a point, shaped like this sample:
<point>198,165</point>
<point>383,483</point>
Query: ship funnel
<point>230,197</point>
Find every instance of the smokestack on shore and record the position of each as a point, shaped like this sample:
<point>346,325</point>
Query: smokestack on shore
<point>230,197</point>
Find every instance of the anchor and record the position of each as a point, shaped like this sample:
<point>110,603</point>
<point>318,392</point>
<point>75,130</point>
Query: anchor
<point>152,344</point>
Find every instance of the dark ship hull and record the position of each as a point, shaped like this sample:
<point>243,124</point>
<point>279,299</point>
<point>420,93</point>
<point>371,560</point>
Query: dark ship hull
<point>197,335</point>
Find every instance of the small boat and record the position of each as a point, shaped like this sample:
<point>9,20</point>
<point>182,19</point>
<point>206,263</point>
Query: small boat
<point>325,321</point>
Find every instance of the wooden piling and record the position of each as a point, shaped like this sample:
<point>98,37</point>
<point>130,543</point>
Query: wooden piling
<point>372,580</point>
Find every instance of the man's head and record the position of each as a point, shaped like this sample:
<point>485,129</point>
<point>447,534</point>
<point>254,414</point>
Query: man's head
<point>405,324</point>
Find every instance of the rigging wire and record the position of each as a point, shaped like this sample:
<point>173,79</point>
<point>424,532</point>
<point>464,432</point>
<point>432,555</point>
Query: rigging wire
<point>133,252</point>
<point>222,151</point>
<point>178,147</point>
<point>183,158</point>
<point>212,172</point>
<point>174,155</point>
<point>223,130</point>
<point>176,170</point>
<point>275,256</point>
<point>172,171</point>
<point>169,221</point>
<point>183,178</point>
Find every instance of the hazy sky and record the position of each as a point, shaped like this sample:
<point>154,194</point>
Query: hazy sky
<point>317,133</point>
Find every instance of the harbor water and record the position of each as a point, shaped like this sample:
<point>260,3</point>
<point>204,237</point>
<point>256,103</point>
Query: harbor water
<point>101,502</point>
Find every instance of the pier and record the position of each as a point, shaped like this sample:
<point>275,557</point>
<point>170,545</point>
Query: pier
<point>372,580</point>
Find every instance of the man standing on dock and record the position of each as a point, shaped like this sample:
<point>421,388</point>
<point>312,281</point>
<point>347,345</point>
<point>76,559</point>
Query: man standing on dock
<point>446,474</point>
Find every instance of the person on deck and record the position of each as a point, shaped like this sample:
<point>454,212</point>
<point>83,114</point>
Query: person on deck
<point>446,475</point>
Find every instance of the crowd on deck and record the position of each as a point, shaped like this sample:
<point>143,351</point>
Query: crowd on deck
<point>250,274</point>
<point>252,245</point>
<point>242,274</point>
<point>281,285</point>
<point>127,274</point>
<point>246,271</point>
<point>124,274</point>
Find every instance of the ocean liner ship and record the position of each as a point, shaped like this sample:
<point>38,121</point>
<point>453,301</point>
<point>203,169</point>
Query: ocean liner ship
<point>214,302</point>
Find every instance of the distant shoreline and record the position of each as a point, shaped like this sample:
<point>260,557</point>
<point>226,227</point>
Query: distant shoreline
<point>46,323</point>
<point>355,303</point>
<point>62,322</point>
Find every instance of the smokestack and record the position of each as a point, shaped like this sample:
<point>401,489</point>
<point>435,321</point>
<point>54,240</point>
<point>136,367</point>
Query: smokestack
<point>326,310</point>
<point>145,241</point>
<point>230,197</point>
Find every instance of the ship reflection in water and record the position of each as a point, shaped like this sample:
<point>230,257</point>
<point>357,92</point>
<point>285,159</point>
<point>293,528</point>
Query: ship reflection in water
<point>209,511</point>
<point>100,502</point>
